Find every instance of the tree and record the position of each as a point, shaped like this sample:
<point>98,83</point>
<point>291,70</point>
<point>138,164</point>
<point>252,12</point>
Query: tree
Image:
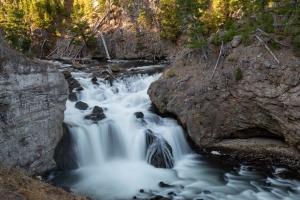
<point>169,20</point>
<point>16,29</point>
<point>190,12</point>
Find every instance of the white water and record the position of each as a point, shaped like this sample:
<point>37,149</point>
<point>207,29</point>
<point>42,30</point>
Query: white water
<point>112,154</point>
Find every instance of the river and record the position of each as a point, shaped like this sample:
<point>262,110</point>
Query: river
<point>114,153</point>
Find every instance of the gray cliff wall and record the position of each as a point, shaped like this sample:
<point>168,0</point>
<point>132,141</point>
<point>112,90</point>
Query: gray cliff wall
<point>32,104</point>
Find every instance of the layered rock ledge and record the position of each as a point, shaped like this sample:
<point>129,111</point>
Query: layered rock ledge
<point>32,104</point>
<point>261,101</point>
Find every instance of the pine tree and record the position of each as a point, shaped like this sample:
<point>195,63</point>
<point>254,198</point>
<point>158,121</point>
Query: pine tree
<point>169,20</point>
<point>190,12</point>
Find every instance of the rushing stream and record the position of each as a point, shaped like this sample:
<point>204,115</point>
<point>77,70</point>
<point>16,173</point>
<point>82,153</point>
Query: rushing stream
<point>114,153</point>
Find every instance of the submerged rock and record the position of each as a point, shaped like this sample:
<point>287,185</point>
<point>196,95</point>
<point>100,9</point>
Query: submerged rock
<point>96,115</point>
<point>139,115</point>
<point>64,154</point>
<point>94,80</point>
<point>72,96</point>
<point>158,151</point>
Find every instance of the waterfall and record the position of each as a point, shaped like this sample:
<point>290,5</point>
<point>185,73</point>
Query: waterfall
<point>125,151</point>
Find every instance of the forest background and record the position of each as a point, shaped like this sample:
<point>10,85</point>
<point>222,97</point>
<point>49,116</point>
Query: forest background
<point>198,20</point>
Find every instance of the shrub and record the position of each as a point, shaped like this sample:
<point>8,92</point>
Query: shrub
<point>164,99</point>
<point>296,45</point>
<point>238,74</point>
<point>171,74</point>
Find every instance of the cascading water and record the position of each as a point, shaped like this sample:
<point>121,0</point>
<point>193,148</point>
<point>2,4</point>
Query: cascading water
<point>117,139</point>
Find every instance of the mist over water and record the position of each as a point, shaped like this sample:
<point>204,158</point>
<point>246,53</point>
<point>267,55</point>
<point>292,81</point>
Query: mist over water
<point>114,156</point>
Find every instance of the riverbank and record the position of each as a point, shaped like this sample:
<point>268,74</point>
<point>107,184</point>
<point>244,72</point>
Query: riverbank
<point>239,94</point>
<point>15,185</point>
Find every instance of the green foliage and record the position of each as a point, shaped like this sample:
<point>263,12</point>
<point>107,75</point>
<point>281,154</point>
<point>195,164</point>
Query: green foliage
<point>164,99</point>
<point>171,74</point>
<point>229,24</point>
<point>16,29</point>
<point>190,12</point>
<point>238,74</point>
<point>274,45</point>
<point>296,45</point>
<point>229,35</point>
<point>82,31</point>
<point>144,19</point>
<point>96,51</point>
<point>232,59</point>
<point>168,18</point>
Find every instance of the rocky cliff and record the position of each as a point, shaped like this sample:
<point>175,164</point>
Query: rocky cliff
<point>32,104</point>
<point>250,95</point>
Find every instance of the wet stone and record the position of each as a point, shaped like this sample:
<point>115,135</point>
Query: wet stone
<point>79,88</point>
<point>98,109</point>
<point>72,96</point>
<point>139,115</point>
<point>81,105</point>
<point>207,192</point>
<point>162,184</point>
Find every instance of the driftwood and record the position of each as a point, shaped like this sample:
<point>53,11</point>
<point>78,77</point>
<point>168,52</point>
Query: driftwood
<point>272,38</point>
<point>57,46</point>
<point>79,50</point>
<point>268,49</point>
<point>180,57</point>
<point>110,71</point>
<point>67,48</point>
<point>217,61</point>
<point>42,47</point>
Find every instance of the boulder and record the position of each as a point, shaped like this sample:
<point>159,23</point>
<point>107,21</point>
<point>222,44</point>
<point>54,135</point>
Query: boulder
<point>33,96</point>
<point>213,110</point>
<point>94,81</point>
<point>236,41</point>
<point>97,109</point>
<point>115,68</point>
<point>72,96</point>
<point>158,151</point>
<point>96,115</point>
<point>139,115</point>
<point>81,105</point>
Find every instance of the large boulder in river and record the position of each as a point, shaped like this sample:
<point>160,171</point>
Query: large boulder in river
<point>158,151</point>
<point>229,105</point>
<point>81,105</point>
<point>33,96</point>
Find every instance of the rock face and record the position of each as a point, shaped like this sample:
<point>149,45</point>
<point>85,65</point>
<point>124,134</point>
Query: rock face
<point>33,95</point>
<point>264,103</point>
<point>128,38</point>
<point>65,155</point>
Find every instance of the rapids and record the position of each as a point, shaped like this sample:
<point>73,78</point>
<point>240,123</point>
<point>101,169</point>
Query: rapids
<point>113,156</point>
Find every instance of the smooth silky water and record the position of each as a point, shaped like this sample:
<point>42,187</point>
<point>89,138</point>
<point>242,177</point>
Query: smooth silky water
<point>113,159</point>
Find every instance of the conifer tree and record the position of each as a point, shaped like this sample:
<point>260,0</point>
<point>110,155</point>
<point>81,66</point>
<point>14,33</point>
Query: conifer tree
<point>169,20</point>
<point>190,12</point>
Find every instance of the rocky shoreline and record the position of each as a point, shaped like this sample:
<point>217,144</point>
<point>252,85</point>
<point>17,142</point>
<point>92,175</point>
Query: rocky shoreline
<point>254,117</point>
